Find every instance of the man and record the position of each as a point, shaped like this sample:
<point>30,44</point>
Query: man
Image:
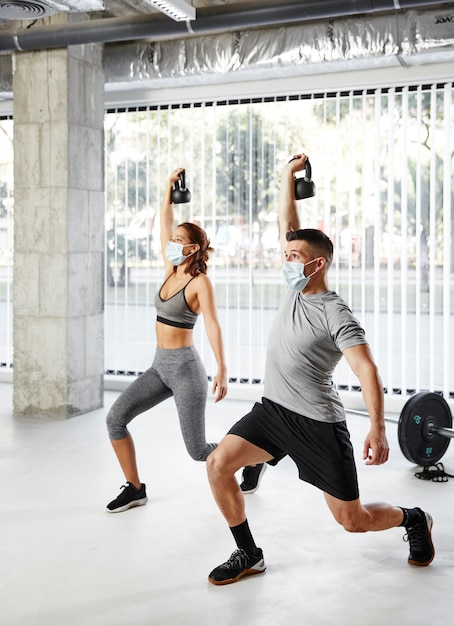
<point>301,414</point>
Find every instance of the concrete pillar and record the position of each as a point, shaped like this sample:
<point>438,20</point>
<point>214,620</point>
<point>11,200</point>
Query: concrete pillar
<point>58,293</point>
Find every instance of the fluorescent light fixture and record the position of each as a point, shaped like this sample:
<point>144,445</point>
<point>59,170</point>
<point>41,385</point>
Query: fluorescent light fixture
<point>178,10</point>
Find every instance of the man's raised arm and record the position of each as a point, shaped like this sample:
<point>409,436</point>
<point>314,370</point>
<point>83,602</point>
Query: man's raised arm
<point>288,216</point>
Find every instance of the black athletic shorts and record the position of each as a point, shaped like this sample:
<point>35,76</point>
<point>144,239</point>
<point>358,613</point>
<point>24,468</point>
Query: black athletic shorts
<point>322,452</point>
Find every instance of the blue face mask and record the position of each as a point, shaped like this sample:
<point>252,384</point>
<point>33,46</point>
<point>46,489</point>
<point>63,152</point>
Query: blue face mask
<point>294,275</point>
<point>174,252</point>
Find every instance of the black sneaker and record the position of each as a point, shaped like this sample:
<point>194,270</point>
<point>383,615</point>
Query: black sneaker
<point>419,537</point>
<point>251,477</point>
<point>129,497</point>
<point>238,566</point>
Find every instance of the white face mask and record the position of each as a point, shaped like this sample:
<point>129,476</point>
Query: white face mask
<point>174,252</point>
<point>294,274</point>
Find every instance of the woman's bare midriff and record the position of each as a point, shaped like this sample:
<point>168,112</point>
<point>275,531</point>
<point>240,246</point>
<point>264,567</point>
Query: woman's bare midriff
<point>172,338</point>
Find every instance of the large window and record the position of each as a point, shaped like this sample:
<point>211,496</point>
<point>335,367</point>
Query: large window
<point>381,161</point>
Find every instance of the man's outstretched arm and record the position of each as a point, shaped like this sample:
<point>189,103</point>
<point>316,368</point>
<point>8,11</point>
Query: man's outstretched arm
<point>288,216</point>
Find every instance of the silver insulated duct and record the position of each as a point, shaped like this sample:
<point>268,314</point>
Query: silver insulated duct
<point>408,38</point>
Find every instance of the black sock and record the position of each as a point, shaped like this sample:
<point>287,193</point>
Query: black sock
<point>411,517</point>
<point>244,539</point>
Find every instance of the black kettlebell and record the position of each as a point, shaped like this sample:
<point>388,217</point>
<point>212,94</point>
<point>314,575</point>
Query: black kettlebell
<point>180,193</point>
<point>304,186</point>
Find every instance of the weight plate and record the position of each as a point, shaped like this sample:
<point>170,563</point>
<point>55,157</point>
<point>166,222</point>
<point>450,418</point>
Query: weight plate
<point>421,412</point>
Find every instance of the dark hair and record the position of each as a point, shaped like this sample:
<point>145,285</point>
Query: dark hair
<point>197,263</point>
<point>319,243</point>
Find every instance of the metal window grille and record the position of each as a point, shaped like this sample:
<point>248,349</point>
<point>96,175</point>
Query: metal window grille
<point>382,162</point>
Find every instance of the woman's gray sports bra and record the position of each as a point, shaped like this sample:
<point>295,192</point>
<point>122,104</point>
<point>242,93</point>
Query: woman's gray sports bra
<point>175,310</point>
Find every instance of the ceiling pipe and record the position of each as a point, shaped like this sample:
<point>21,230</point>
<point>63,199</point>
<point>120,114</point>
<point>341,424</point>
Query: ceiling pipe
<point>109,30</point>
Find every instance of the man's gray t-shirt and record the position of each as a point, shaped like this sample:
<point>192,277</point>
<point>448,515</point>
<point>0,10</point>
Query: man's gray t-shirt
<point>305,344</point>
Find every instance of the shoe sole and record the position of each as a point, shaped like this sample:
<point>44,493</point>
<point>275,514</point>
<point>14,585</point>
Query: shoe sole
<point>430,524</point>
<point>130,505</point>
<point>262,471</point>
<point>229,581</point>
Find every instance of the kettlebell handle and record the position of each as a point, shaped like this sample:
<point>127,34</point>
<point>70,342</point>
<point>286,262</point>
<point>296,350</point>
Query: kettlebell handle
<point>182,180</point>
<point>307,169</point>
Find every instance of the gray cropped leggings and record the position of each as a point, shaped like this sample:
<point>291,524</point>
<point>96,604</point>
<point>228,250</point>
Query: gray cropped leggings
<point>179,373</point>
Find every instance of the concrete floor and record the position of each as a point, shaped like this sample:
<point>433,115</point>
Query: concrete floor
<point>65,562</point>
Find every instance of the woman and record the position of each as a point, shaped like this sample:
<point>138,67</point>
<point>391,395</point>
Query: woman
<point>177,369</point>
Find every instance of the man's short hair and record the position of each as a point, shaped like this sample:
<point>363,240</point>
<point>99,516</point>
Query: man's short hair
<point>320,244</point>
